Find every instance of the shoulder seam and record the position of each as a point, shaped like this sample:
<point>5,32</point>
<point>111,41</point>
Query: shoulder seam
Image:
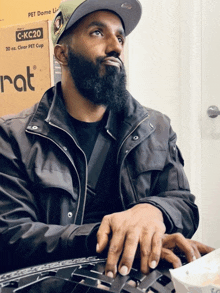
<point>15,118</point>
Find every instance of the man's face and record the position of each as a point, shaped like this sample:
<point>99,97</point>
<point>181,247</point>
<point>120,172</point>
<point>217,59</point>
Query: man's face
<point>95,59</point>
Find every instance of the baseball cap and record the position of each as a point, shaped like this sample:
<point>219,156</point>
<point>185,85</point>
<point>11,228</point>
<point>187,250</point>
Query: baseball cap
<point>70,11</point>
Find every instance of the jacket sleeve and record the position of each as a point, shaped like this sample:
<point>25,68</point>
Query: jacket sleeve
<point>170,192</point>
<point>24,239</point>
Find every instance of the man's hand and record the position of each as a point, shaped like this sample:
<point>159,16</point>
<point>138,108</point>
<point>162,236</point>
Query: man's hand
<point>175,244</point>
<point>139,228</point>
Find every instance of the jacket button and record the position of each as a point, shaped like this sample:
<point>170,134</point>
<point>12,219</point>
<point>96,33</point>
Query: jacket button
<point>34,127</point>
<point>135,137</point>
<point>65,148</point>
<point>70,215</point>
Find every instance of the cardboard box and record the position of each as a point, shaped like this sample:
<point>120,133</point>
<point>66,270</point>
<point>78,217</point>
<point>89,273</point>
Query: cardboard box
<point>27,65</point>
<point>14,12</point>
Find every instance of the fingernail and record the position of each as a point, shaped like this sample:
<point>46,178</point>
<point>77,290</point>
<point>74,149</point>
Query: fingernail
<point>194,258</point>
<point>97,247</point>
<point>110,274</point>
<point>153,264</point>
<point>123,271</point>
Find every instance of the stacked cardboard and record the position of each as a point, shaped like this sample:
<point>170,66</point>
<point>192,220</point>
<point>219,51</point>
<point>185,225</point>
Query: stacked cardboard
<point>13,12</point>
<point>27,65</point>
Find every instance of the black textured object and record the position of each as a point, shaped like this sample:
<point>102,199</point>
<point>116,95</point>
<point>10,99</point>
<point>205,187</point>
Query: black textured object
<point>84,275</point>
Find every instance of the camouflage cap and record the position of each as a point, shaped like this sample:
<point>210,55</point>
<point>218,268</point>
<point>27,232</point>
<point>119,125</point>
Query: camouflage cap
<point>70,11</point>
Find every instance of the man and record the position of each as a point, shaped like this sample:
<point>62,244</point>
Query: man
<point>88,153</point>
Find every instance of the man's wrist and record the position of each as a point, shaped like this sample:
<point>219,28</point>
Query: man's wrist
<point>156,209</point>
<point>91,240</point>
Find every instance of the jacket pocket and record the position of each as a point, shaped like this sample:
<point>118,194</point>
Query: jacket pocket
<point>142,170</point>
<point>144,161</point>
<point>56,180</point>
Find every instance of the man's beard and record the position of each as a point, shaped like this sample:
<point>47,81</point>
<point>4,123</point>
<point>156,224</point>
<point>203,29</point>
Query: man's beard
<point>108,89</point>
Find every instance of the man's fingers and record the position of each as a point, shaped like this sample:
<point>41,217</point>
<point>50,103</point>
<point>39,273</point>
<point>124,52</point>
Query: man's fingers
<point>199,248</point>
<point>177,240</point>
<point>122,232</point>
<point>114,252</point>
<point>156,246</point>
<point>196,253</point>
<point>145,250</point>
<point>202,248</point>
<point>103,235</point>
<point>185,246</point>
<point>130,249</point>
<point>191,248</point>
<point>169,256</point>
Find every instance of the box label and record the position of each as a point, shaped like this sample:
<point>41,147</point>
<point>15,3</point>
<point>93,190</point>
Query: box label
<point>29,35</point>
<point>13,12</point>
<point>19,82</point>
<point>26,56</point>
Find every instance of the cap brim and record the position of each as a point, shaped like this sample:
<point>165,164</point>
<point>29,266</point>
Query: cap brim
<point>129,11</point>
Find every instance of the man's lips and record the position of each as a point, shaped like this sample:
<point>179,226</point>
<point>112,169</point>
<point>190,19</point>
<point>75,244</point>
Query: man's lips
<point>112,61</point>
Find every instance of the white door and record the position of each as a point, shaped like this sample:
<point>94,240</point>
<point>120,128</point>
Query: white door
<point>210,131</point>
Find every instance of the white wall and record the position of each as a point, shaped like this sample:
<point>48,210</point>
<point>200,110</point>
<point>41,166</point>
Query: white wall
<point>164,66</point>
<point>154,58</point>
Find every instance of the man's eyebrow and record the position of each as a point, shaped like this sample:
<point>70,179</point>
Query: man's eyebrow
<point>101,24</point>
<point>96,23</point>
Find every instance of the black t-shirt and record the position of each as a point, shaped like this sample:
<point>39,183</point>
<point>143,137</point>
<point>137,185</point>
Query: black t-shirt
<point>86,134</point>
<point>106,198</point>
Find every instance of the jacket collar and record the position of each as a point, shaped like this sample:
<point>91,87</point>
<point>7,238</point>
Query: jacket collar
<point>52,110</point>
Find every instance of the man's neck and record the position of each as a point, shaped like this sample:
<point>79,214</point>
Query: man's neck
<point>78,106</point>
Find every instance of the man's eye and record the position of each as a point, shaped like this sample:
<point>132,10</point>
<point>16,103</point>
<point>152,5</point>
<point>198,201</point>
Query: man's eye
<point>97,33</point>
<point>121,40</point>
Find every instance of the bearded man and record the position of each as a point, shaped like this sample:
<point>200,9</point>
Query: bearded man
<point>89,170</point>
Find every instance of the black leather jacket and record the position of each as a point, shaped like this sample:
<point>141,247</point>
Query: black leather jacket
<point>43,180</point>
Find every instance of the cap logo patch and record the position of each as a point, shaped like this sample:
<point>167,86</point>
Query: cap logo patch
<point>58,23</point>
<point>126,5</point>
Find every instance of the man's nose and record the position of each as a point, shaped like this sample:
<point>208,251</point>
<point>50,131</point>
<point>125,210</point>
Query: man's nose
<point>113,45</point>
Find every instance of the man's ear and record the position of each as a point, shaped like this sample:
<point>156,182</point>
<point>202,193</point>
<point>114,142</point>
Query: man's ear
<point>61,54</point>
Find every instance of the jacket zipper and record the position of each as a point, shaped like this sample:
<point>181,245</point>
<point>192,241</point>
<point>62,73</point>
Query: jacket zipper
<point>84,202</point>
<point>87,167</point>
<point>86,163</point>
<point>120,192</point>
<point>72,164</point>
